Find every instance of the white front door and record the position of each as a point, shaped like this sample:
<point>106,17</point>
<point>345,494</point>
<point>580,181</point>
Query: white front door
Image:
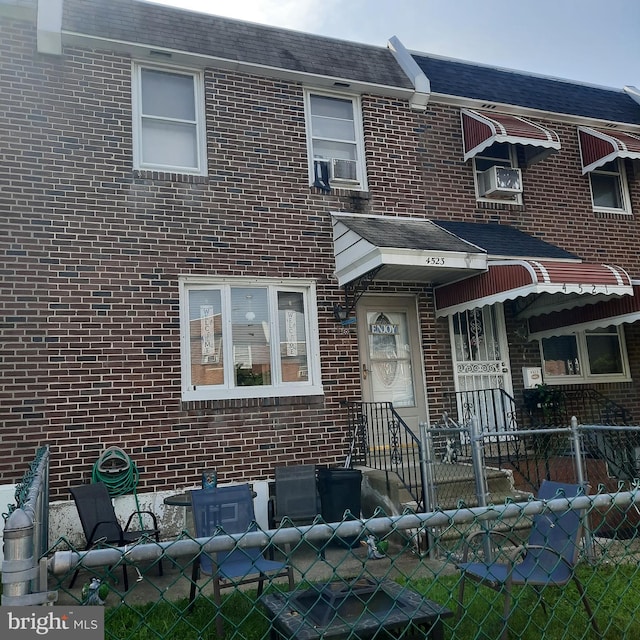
<point>481,363</point>
<point>390,359</point>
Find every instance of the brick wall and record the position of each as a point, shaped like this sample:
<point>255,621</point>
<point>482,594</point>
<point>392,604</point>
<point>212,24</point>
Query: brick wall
<point>92,252</point>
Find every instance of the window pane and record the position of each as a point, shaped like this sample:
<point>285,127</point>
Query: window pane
<point>332,128</point>
<point>606,191</point>
<point>331,107</point>
<point>250,336</point>
<point>169,144</point>
<point>604,351</point>
<point>560,356</point>
<point>205,338</point>
<point>168,95</point>
<point>293,339</point>
<point>500,151</point>
<point>324,149</point>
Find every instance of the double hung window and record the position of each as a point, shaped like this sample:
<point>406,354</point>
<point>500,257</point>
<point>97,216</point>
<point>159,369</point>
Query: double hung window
<point>169,129</point>
<point>248,338</point>
<point>335,140</point>
<point>609,188</point>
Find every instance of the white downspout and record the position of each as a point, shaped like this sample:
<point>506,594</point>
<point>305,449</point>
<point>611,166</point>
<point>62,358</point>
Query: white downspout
<point>420,99</point>
<point>49,25</point>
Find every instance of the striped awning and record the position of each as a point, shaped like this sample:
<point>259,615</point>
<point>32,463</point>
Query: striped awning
<point>599,147</point>
<point>563,284</point>
<point>481,129</point>
<point>596,316</point>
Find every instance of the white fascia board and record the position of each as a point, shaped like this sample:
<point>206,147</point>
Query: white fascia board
<point>49,27</point>
<point>420,259</point>
<point>164,55</point>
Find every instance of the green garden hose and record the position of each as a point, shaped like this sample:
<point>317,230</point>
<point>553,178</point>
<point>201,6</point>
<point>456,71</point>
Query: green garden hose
<point>119,473</point>
<point>116,470</point>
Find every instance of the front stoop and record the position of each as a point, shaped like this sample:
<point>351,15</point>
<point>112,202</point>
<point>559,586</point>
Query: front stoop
<point>455,484</point>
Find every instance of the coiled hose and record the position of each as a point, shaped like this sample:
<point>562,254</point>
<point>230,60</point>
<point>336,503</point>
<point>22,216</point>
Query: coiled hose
<point>117,471</point>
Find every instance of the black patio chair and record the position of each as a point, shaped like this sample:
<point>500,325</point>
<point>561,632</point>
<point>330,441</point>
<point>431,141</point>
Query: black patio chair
<point>101,526</point>
<point>296,499</point>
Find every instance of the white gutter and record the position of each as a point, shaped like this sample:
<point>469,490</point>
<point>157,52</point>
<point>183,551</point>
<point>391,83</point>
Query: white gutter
<point>49,27</point>
<point>420,99</point>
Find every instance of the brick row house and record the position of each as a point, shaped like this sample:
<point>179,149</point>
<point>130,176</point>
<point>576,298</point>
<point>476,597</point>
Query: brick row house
<point>217,235</point>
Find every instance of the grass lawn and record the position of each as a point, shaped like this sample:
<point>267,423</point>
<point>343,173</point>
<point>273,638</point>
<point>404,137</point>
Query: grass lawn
<point>612,590</point>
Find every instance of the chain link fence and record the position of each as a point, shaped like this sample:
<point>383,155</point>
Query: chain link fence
<point>359,559</point>
<point>400,576</point>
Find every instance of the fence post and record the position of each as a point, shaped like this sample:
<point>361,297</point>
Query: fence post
<point>576,437</point>
<point>482,490</point>
<point>428,479</point>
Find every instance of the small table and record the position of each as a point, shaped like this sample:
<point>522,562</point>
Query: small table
<point>333,610</point>
<point>179,499</point>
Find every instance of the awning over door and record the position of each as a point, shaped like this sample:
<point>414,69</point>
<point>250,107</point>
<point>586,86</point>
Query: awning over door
<point>567,282</point>
<point>401,250</point>
<point>596,316</point>
<point>481,129</point>
<point>599,147</point>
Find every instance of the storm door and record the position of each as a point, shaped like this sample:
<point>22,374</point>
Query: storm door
<point>481,366</point>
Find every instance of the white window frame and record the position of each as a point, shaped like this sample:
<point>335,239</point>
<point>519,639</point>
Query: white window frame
<point>200,122</point>
<point>361,172</point>
<point>228,390</point>
<point>513,160</point>
<point>585,376</point>
<point>621,175</point>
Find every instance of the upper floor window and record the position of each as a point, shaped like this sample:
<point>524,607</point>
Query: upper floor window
<point>335,141</point>
<point>597,355</point>
<point>248,338</point>
<point>168,120</point>
<point>496,174</point>
<point>609,188</point>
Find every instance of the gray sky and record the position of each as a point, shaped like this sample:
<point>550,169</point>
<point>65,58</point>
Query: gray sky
<point>593,41</point>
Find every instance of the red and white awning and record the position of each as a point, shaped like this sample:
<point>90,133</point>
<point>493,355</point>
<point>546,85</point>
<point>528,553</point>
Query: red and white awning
<point>481,129</point>
<point>596,316</point>
<point>599,147</point>
<point>568,282</point>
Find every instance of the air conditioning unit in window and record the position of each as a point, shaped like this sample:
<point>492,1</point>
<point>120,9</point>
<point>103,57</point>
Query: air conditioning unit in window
<point>344,171</point>
<point>500,182</point>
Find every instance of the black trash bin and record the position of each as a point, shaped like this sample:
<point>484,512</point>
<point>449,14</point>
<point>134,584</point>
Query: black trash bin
<point>339,490</point>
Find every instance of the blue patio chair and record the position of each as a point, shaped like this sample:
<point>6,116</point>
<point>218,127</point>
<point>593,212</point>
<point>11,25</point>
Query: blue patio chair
<point>230,510</point>
<point>547,559</point>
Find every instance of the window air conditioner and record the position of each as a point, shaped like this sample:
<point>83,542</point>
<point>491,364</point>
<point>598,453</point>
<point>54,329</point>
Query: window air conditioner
<point>344,170</point>
<point>500,182</point>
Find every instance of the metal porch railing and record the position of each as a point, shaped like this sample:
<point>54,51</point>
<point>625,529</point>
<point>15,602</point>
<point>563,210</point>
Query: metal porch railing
<point>380,439</point>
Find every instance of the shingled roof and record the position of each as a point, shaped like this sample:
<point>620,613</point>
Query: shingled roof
<point>158,26</point>
<point>501,240</point>
<point>480,82</point>
<point>154,26</point>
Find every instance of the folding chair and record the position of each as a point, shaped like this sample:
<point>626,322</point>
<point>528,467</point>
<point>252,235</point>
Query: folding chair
<point>102,527</point>
<point>229,510</point>
<point>547,559</point>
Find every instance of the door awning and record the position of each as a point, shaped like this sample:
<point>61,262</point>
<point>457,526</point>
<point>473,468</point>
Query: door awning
<point>481,129</point>
<point>401,250</point>
<point>596,316</point>
<point>568,283</point>
<point>599,147</point>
